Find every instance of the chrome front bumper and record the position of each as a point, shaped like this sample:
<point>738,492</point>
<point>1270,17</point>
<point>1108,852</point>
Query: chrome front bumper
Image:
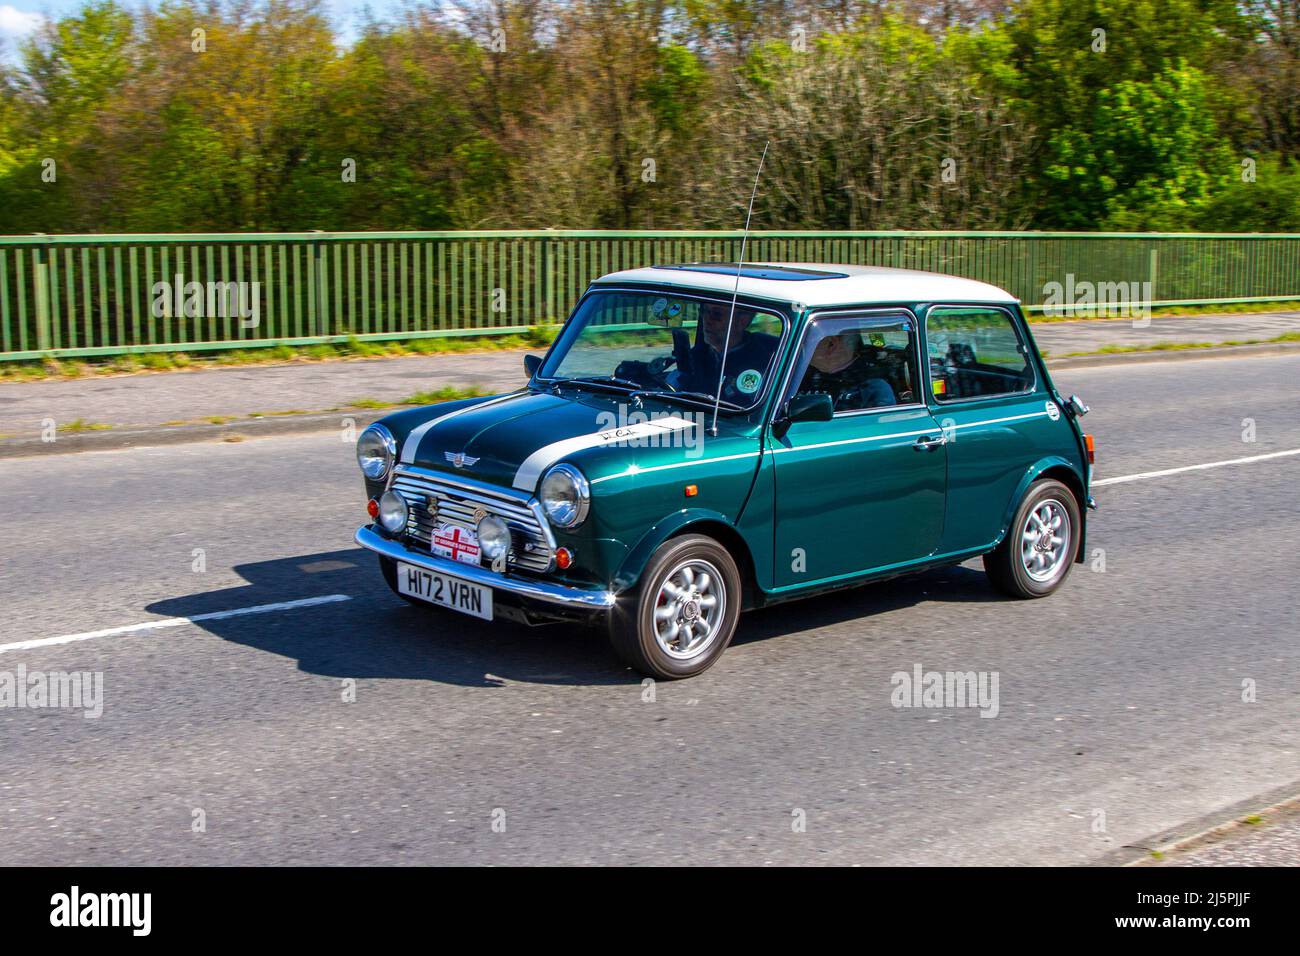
<point>523,587</point>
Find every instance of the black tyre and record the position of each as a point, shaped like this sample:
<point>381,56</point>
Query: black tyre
<point>1039,549</point>
<point>683,614</point>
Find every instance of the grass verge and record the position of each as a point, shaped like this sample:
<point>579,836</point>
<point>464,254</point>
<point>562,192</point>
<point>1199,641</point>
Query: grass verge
<point>433,397</point>
<point>1177,346</point>
<point>78,425</point>
<point>1186,311</point>
<point>540,337</point>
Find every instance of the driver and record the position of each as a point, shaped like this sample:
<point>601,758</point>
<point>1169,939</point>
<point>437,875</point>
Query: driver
<point>840,368</point>
<point>747,353</point>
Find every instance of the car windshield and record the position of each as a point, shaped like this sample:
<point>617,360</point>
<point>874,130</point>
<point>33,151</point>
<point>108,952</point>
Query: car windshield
<point>671,345</point>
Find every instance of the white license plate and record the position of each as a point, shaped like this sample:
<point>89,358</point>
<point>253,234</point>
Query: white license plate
<point>444,590</point>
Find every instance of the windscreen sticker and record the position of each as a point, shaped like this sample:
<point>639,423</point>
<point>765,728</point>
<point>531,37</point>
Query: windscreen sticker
<point>658,306</point>
<point>749,381</point>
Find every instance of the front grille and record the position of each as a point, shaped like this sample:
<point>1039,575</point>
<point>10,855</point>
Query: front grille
<point>457,501</point>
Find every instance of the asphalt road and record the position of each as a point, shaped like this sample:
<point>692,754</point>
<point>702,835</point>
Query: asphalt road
<point>1120,697</point>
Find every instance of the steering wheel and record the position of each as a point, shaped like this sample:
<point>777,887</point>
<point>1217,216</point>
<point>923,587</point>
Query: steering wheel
<point>660,368</point>
<point>652,374</point>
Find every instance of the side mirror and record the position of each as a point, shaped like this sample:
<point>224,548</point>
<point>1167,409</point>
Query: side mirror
<point>808,407</point>
<point>1077,406</point>
<point>531,364</point>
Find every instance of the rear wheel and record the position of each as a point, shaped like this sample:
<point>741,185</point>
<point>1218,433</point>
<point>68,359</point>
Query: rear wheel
<point>1036,555</point>
<point>684,613</point>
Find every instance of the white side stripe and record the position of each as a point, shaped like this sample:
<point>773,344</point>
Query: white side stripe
<point>413,440</point>
<point>924,431</point>
<point>1177,471</point>
<point>634,470</point>
<point>999,421</point>
<point>852,441</point>
<point>172,622</point>
<point>533,466</point>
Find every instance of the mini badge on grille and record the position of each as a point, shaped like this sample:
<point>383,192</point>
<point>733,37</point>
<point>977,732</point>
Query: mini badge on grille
<point>460,459</point>
<point>479,515</point>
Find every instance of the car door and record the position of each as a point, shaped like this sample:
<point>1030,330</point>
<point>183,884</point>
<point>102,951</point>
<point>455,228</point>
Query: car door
<point>865,490</point>
<point>986,395</point>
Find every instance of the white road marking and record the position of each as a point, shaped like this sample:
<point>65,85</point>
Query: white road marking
<point>1211,464</point>
<point>173,622</point>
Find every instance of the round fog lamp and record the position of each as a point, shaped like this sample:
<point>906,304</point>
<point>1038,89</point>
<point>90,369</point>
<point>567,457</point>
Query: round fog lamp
<point>493,537</point>
<point>392,512</point>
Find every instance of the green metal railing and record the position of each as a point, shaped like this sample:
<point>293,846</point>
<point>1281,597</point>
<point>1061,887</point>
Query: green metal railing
<point>68,296</point>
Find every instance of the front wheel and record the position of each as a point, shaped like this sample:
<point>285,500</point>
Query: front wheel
<point>683,615</point>
<point>1036,555</point>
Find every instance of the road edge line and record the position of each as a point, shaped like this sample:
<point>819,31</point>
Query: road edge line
<point>1180,835</point>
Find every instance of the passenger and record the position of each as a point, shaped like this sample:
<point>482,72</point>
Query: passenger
<point>840,369</point>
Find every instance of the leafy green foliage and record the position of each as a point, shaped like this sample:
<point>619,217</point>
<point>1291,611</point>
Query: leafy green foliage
<point>1071,114</point>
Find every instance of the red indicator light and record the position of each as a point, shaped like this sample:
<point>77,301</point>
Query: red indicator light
<point>372,508</point>
<point>563,558</point>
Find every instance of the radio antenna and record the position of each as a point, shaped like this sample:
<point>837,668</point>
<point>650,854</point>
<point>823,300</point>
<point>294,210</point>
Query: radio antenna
<point>735,291</point>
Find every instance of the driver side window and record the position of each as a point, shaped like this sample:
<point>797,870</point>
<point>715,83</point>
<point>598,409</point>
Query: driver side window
<point>864,363</point>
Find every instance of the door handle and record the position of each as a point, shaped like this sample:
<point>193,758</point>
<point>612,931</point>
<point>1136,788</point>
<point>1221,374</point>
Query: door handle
<point>926,443</point>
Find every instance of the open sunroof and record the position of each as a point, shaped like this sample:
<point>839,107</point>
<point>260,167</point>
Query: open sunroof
<point>785,273</point>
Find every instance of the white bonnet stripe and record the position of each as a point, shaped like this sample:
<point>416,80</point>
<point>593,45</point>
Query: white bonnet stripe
<point>413,440</point>
<point>536,463</point>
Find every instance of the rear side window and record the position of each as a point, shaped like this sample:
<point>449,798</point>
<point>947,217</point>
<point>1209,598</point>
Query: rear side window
<point>975,353</point>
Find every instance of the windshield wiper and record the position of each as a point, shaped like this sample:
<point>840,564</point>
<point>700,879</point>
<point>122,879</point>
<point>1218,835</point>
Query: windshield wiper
<point>695,396</point>
<point>620,383</point>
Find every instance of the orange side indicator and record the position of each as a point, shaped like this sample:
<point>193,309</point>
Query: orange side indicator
<point>1092,450</point>
<point>692,491</point>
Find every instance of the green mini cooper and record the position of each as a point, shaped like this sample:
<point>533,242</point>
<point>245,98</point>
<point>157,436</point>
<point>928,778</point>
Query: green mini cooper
<point>702,439</point>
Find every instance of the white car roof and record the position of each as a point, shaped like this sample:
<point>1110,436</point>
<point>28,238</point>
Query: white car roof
<point>817,284</point>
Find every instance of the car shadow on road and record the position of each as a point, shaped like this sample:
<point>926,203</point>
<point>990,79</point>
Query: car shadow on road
<point>374,634</point>
<point>957,584</point>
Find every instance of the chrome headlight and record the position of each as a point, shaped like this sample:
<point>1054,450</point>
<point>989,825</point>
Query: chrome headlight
<point>376,450</point>
<point>393,512</point>
<point>493,537</point>
<point>565,496</point>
